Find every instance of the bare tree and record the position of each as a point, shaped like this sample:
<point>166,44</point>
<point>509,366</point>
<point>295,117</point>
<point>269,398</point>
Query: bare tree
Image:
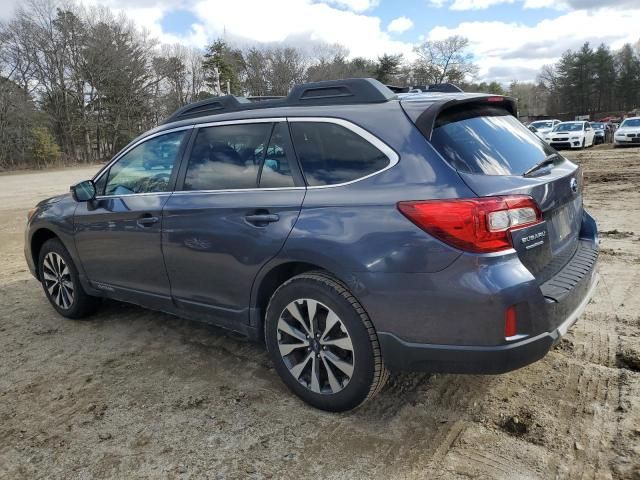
<point>444,61</point>
<point>287,66</point>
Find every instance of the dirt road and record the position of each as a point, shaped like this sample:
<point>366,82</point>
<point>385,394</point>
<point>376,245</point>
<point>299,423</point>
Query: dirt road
<point>137,394</point>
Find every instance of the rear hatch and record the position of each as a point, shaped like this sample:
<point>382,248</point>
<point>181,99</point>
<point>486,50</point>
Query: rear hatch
<point>492,152</point>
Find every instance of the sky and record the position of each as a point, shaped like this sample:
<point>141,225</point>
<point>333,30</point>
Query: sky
<point>509,39</point>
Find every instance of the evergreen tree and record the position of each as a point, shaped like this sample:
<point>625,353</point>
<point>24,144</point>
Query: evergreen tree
<point>387,67</point>
<point>628,82</point>
<point>222,64</point>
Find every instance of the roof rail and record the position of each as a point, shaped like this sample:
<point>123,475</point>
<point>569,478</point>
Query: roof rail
<point>331,92</point>
<point>210,106</point>
<point>264,98</point>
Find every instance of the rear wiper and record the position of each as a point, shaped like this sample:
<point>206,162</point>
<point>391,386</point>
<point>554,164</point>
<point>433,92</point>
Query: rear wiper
<point>548,160</point>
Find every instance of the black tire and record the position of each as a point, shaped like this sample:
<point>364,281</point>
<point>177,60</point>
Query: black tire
<point>81,303</point>
<point>369,373</point>
<point>584,142</point>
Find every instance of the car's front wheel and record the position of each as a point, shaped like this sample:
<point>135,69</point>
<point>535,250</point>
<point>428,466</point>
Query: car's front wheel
<point>323,343</point>
<point>60,281</point>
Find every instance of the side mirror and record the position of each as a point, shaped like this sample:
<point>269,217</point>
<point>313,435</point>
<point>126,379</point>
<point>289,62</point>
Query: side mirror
<point>84,191</point>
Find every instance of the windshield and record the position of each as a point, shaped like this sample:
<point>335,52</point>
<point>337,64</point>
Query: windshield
<point>487,140</point>
<point>631,122</point>
<point>542,124</point>
<point>597,125</point>
<point>568,127</point>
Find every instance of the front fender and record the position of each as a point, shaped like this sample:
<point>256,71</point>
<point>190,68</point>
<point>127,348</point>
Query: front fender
<point>56,216</point>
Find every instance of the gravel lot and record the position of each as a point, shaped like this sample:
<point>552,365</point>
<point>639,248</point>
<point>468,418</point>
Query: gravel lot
<point>137,394</point>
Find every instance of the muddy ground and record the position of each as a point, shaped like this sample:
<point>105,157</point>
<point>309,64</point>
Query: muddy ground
<point>137,394</point>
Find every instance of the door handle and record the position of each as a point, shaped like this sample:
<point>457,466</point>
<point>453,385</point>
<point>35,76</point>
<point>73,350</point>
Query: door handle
<point>147,220</point>
<point>262,218</point>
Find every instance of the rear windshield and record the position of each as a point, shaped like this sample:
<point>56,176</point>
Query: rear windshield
<point>487,140</point>
<point>542,124</point>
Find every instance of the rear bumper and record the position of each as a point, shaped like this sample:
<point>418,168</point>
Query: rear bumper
<point>400,355</point>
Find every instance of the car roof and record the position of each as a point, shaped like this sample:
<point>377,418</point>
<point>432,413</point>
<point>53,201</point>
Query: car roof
<point>347,99</point>
<point>333,98</point>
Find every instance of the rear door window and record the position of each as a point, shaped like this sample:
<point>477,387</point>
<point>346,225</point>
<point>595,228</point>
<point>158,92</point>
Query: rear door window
<point>331,154</point>
<point>487,141</point>
<point>227,157</point>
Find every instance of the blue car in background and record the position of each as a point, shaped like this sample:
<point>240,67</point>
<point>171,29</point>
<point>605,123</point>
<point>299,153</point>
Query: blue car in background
<point>353,230</point>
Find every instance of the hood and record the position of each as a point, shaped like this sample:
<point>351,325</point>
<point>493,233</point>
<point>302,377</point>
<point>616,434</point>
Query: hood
<point>628,130</point>
<point>54,200</point>
<point>568,134</point>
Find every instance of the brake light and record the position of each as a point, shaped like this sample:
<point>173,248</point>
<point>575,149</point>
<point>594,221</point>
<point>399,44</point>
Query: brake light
<point>479,225</point>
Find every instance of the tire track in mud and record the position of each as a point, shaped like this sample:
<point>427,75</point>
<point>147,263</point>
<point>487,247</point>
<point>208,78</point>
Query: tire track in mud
<point>591,396</point>
<point>447,404</point>
<point>594,382</point>
<point>594,340</point>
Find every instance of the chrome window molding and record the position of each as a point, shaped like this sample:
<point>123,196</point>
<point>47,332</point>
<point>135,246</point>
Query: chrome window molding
<point>369,137</point>
<point>237,190</point>
<point>158,194</point>
<point>243,121</point>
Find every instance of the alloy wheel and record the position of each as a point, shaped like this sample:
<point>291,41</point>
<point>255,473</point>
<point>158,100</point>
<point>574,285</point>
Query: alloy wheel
<point>57,280</point>
<point>315,346</point>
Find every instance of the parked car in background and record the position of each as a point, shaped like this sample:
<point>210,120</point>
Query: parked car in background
<point>571,135</point>
<point>544,126</point>
<point>628,133</point>
<point>456,241</point>
<point>603,132</point>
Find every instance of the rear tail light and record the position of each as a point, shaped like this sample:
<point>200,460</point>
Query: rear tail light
<point>479,225</point>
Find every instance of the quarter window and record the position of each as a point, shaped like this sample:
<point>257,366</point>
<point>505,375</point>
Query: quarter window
<point>146,168</point>
<point>330,154</point>
<point>227,157</point>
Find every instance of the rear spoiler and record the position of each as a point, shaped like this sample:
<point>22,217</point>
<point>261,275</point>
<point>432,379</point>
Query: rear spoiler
<point>424,113</point>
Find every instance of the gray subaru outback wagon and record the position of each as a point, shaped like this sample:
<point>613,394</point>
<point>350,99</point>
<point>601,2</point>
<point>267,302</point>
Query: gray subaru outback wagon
<point>355,231</point>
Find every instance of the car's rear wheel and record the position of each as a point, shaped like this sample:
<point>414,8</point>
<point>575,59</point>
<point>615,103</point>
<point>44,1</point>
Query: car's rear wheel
<point>60,281</point>
<point>323,343</point>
